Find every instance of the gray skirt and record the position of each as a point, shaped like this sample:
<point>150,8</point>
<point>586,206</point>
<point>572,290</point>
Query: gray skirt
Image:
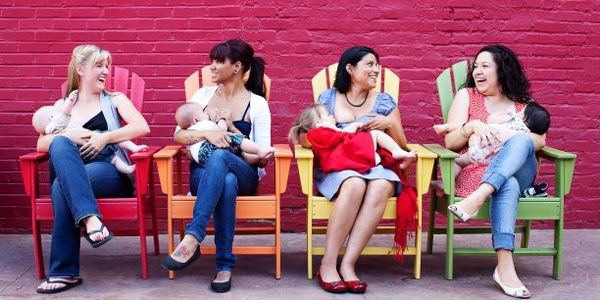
<point>328,184</point>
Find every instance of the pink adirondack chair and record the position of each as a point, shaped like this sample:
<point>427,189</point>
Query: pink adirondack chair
<point>119,209</point>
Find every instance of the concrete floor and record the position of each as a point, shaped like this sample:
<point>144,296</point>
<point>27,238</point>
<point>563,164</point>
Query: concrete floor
<point>113,272</point>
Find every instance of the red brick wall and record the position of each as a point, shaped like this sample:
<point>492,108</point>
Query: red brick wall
<point>558,42</point>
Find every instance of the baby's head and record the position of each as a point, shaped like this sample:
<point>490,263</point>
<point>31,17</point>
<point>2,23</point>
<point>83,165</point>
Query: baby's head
<point>536,117</point>
<point>314,116</point>
<point>189,114</point>
<point>41,118</point>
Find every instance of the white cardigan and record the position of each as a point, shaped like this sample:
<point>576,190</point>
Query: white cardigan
<point>260,117</point>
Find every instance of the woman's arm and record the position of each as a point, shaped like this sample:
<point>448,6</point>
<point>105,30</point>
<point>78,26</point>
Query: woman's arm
<point>261,130</point>
<point>459,113</point>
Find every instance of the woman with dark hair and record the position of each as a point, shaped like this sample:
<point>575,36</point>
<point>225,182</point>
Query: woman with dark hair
<point>497,83</point>
<point>360,198</point>
<point>227,175</point>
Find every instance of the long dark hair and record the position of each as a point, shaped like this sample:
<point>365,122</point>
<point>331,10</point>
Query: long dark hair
<point>351,56</point>
<point>238,50</point>
<point>511,77</point>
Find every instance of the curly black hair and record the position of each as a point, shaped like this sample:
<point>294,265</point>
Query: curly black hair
<point>512,80</point>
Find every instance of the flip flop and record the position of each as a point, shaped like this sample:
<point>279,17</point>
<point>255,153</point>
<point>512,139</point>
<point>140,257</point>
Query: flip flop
<point>98,243</point>
<point>68,285</point>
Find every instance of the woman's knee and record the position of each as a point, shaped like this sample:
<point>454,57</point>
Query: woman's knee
<point>520,140</point>
<point>510,189</point>
<point>378,191</point>
<point>353,186</point>
<point>59,144</point>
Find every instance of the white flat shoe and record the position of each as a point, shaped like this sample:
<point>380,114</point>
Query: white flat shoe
<point>460,213</point>
<point>518,292</point>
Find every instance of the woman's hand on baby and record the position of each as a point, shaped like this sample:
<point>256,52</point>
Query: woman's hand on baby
<point>79,136</point>
<point>218,138</point>
<point>94,145</point>
<point>483,131</point>
<point>376,122</point>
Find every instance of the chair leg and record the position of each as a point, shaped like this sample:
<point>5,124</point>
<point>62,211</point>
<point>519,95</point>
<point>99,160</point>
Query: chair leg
<point>309,248</point>
<point>278,253</point>
<point>431,220</point>
<point>170,242</point>
<point>154,217</point>
<point>450,244</point>
<point>526,235</point>
<point>143,246</point>
<point>558,243</point>
<point>37,250</point>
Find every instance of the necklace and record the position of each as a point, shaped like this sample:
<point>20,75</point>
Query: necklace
<point>354,105</point>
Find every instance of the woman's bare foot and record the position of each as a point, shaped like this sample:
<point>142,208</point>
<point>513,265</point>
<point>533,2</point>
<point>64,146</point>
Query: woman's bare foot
<point>473,202</point>
<point>329,273</point>
<point>186,248</point>
<point>93,223</point>
<point>506,269</point>
<point>347,272</point>
<point>53,284</point>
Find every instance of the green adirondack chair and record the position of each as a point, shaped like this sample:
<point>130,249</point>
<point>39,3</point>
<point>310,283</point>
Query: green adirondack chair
<point>540,208</point>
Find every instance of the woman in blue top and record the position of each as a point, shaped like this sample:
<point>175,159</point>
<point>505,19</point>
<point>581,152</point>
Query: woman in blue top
<point>360,198</point>
<point>227,175</point>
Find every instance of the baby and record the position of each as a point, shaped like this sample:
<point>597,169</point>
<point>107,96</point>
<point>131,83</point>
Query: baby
<point>345,151</point>
<point>193,116</point>
<point>49,120</point>
<point>534,118</point>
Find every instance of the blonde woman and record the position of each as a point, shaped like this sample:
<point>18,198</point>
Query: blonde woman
<point>78,176</point>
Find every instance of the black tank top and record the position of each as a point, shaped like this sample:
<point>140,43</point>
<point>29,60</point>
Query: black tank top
<point>96,123</point>
<point>243,126</point>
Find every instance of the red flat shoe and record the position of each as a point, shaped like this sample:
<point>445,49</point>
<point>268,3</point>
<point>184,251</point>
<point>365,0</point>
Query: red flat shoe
<point>336,287</point>
<point>355,286</point>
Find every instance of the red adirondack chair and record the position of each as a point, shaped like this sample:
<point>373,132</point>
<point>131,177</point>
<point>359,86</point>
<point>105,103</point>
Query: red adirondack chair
<point>120,209</point>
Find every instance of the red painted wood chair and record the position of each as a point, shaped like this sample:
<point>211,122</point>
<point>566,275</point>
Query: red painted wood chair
<point>262,208</point>
<point>113,209</point>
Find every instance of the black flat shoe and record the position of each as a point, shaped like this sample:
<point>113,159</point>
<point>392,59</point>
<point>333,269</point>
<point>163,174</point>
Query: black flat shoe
<point>172,265</point>
<point>221,287</point>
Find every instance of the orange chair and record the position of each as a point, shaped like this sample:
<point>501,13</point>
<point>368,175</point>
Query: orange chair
<point>113,209</point>
<point>260,207</point>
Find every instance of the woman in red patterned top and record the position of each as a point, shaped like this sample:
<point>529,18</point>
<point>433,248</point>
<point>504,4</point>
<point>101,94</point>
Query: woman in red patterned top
<point>497,83</point>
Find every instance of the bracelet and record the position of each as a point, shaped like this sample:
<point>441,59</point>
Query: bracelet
<point>463,131</point>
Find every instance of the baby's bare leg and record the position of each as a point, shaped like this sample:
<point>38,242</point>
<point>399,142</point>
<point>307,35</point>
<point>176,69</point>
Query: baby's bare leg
<point>250,147</point>
<point>122,166</point>
<point>385,141</point>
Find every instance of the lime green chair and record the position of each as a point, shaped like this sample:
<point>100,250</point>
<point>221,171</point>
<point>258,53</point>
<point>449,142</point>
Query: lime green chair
<point>540,208</point>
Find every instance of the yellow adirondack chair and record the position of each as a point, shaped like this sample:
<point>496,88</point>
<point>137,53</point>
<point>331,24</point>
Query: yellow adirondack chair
<point>260,207</point>
<point>319,208</point>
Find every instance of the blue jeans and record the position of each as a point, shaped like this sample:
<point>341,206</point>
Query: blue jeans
<point>509,172</point>
<point>74,190</point>
<point>217,185</point>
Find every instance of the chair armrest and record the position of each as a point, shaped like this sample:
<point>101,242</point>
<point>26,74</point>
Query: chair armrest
<point>446,161</point>
<point>305,159</point>
<point>564,166</point>
<point>425,162</point>
<point>164,162</point>
<point>29,167</point>
<point>283,160</point>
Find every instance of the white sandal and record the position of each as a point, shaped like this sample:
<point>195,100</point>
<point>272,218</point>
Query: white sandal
<point>518,292</point>
<point>460,213</point>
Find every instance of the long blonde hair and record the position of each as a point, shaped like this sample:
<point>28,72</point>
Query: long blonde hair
<point>82,54</point>
<point>306,121</point>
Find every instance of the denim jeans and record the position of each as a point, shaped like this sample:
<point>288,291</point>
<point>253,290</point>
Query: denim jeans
<point>217,185</point>
<point>509,172</point>
<point>74,190</point>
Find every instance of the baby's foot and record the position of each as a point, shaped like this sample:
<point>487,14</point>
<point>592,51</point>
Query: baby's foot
<point>266,152</point>
<point>139,148</point>
<point>401,154</point>
<point>440,129</point>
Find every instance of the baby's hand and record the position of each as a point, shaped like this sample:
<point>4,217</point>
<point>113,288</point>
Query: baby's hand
<point>266,152</point>
<point>139,148</point>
